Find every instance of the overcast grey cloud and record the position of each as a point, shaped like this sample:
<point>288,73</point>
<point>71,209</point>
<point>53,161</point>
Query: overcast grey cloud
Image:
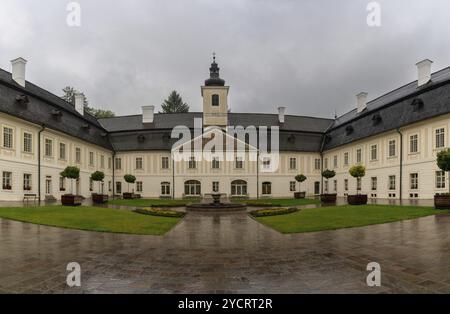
<point>310,56</point>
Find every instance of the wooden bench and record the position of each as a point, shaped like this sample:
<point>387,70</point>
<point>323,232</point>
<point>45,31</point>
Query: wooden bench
<point>30,196</point>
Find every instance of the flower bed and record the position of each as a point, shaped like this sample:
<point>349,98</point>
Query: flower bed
<point>159,212</point>
<point>273,212</point>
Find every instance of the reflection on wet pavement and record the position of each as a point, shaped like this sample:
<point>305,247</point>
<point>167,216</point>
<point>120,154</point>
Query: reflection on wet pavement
<point>211,253</point>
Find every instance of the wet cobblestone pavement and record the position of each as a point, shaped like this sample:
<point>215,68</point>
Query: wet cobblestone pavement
<point>228,253</point>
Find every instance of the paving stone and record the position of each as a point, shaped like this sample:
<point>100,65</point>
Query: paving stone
<point>228,253</point>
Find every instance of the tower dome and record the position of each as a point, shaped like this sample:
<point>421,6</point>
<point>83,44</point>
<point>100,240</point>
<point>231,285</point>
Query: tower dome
<point>214,79</point>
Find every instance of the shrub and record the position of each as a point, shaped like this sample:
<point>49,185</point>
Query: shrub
<point>300,178</point>
<point>443,162</point>
<point>159,212</point>
<point>129,178</point>
<point>98,176</point>
<point>72,173</point>
<point>357,171</point>
<point>273,212</point>
<point>328,174</point>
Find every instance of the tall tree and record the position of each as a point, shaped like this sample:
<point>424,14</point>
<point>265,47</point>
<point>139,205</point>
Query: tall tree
<point>174,103</point>
<point>69,96</point>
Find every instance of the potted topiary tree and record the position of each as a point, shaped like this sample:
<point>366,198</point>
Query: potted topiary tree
<point>357,171</point>
<point>71,173</point>
<point>328,197</point>
<point>129,178</point>
<point>442,200</point>
<point>300,178</point>
<point>98,198</point>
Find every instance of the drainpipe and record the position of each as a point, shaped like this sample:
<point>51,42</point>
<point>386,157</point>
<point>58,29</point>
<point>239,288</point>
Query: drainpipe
<point>257,174</point>
<point>173,176</point>
<point>39,162</point>
<point>401,164</point>
<point>113,161</point>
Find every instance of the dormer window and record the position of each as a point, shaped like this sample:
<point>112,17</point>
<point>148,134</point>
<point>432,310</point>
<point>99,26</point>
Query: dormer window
<point>215,100</point>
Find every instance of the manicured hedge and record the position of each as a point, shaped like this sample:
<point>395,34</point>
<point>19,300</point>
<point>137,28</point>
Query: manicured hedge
<point>159,212</point>
<point>273,212</point>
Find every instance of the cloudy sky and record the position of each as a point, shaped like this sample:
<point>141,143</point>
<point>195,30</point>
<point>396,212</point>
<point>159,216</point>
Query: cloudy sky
<point>310,56</point>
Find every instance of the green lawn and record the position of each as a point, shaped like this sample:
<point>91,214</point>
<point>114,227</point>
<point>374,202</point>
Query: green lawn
<point>91,218</point>
<point>144,202</point>
<point>277,201</point>
<point>337,217</point>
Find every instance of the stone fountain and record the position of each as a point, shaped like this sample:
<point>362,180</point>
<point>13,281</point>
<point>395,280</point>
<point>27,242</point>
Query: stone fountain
<point>216,204</point>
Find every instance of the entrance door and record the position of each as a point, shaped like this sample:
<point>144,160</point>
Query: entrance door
<point>48,186</point>
<point>317,187</point>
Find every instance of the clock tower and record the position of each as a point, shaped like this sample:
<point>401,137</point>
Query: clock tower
<point>215,98</point>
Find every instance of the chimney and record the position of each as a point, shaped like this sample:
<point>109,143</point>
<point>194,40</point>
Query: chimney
<point>18,70</point>
<point>281,111</point>
<point>147,114</point>
<point>79,103</point>
<point>423,72</point>
<point>361,99</point>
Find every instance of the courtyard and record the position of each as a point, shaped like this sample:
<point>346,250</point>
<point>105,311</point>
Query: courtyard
<point>228,253</point>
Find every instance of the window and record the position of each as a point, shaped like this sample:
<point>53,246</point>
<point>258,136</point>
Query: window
<point>325,186</point>
<point>8,137</point>
<point>109,185</point>
<point>238,163</point>
<point>215,163</point>
<point>27,182</point>
<point>391,148</point>
<point>91,184</point>
<point>165,188</point>
<point>109,162</point>
<point>266,163</point>
<point>239,187</point>
<point>292,163</point>
<point>266,188</point>
<point>78,155</point>
<point>7,180</point>
<point>192,187</point>
<point>317,164</point>
<point>292,186</point>
<point>139,163</point>
<point>358,184</point>
<point>325,163</point>
<point>91,159</point>
<point>48,150</point>
<point>346,161</point>
<point>192,163</point>
<point>358,155</point>
<point>62,184</point>
<point>118,163</point>
<point>215,186</point>
<point>62,151</point>
<point>138,186</point>
<point>118,187</point>
<point>334,185</point>
<point>215,100</point>
<point>373,183</point>
<point>440,138</point>
<point>165,162</point>
<point>102,161</point>
<point>440,179</point>
<point>414,181</point>
<point>373,152</point>
<point>391,182</point>
<point>414,143</point>
<point>346,184</point>
<point>335,161</point>
<point>27,142</point>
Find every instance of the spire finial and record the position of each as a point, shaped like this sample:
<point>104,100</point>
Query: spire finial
<point>214,56</point>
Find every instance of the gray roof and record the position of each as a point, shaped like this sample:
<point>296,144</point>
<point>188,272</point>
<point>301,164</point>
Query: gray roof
<point>41,106</point>
<point>399,112</point>
<point>297,133</point>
